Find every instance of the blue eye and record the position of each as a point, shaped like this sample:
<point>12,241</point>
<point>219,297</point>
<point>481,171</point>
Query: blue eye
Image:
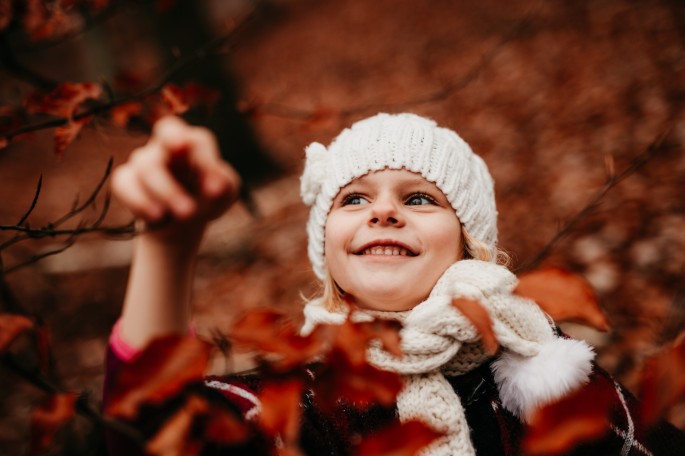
<point>354,199</point>
<point>419,199</point>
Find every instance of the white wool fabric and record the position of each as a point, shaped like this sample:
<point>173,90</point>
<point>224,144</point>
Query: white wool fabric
<point>438,340</point>
<point>398,141</point>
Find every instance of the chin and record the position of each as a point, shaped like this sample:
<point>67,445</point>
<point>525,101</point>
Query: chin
<point>386,302</point>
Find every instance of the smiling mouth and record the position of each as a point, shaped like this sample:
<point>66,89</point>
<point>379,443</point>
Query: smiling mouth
<point>386,250</point>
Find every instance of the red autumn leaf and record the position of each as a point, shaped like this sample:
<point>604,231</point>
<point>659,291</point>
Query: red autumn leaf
<point>48,417</point>
<point>43,341</point>
<point>174,99</point>
<point>357,384</point>
<point>271,332</point>
<point>121,114</point>
<point>197,422</point>
<point>580,417</point>
<point>195,94</point>
<point>224,428</point>
<point>66,134</point>
<point>480,318</point>
<point>281,412</point>
<point>174,438</point>
<point>353,338</point>
<point>5,13</point>
<point>11,326</point>
<point>57,20</point>
<point>64,100</point>
<point>398,439</point>
<point>164,367</point>
<point>662,383</point>
<point>563,295</point>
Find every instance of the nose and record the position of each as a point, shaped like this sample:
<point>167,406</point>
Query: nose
<point>385,212</point>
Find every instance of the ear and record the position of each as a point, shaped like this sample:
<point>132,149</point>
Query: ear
<point>528,383</point>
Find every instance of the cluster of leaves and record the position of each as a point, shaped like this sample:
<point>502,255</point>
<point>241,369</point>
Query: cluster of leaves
<point>73,105</point>
<point>330,365</point>
<point>51,19</point>
<point>69,106</point>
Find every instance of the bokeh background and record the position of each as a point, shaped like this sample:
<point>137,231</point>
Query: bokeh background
<point>553,95</point>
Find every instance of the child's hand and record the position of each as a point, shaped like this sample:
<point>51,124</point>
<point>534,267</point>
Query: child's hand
<point>178,179</point>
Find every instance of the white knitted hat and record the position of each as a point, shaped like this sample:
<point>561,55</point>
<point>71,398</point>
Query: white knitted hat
<point>398,141</point>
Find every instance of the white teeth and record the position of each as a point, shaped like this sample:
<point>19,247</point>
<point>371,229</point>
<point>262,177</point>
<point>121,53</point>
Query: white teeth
<point>386,250</point>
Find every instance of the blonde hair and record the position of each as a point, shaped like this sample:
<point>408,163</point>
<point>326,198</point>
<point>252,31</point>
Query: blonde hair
<point>333,297</point>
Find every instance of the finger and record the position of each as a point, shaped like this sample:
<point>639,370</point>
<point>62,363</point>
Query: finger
<point>129,191</point>
<point>171,132</point>
<point>221,181</point>
<point>165,189</point>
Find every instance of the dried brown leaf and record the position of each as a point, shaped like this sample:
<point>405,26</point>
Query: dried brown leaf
<point>174,99</point>
<point>48,417</point>
<point>123,113</point>
<point>174,438</point>
<point>11,326</point>
<point>65,100</point>
<point>66,134</point>
<point>480,318</point>
<point>357,384</point>
<point>281,411</point>
<point>272,332</point>
<point>563,295</point>
<point>162,370</point>
<point>398,439</point>
<point>662,383</point>
<point>580,417</point>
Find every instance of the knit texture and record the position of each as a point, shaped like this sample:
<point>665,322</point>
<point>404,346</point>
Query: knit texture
<point>438,340</point>
<point>398,141</point>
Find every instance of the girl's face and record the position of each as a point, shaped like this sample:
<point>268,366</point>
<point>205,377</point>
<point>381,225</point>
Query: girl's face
<point>389,237</point>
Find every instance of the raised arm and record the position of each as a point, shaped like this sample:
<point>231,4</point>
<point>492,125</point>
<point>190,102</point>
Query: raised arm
<point>174,185</point>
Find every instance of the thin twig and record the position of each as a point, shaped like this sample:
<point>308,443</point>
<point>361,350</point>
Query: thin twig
<point>39,186</point>
<point>612,181</point>
<point>77,209</point>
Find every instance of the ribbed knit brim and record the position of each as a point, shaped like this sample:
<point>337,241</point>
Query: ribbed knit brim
<point>398,141</point>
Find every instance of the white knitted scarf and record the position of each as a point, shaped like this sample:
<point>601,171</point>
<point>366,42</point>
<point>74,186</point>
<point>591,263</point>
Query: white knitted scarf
<point>535,366</point>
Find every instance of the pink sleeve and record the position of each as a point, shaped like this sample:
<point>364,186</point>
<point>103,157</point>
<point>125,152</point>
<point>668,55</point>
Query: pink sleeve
<point>125,351</point>
<point>122,349</point>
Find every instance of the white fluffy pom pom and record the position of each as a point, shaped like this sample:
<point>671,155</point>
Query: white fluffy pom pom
<point>527,383</point>
<point>314,172</point>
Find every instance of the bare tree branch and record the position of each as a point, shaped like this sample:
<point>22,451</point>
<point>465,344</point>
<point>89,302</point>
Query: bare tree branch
<point>218,46</point>
<point>612,181</point>
<point>33,376</point>
<point>39,186</point>
<point>53,229</point>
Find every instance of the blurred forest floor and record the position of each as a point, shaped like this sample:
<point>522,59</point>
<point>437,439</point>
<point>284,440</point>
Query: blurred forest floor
<point>547,92</point>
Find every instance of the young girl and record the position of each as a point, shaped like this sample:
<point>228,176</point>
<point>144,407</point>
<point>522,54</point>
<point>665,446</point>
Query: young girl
<point>403,221</point>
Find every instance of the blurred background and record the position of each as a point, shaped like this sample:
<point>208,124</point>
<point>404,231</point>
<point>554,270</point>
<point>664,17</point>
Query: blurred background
<point>553,95</point>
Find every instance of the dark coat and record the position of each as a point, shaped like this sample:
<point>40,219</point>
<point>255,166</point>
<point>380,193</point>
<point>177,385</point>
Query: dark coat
<point>494,430</point>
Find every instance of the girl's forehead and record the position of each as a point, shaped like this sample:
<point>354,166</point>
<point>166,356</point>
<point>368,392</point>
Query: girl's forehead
<point>392,176</point>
